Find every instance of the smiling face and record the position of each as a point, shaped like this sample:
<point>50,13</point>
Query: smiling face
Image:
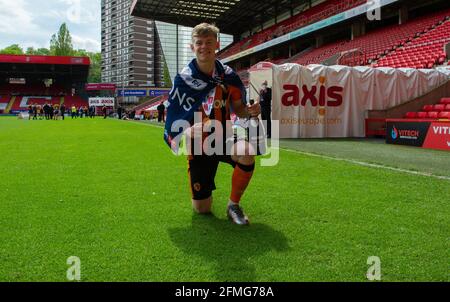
<point>204,48</point>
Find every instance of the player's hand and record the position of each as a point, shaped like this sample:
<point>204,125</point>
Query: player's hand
<point>196,131</point>
<point>254,110</point>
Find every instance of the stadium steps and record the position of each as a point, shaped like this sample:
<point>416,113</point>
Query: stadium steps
<point>148,103</point>
<point>10,104</point>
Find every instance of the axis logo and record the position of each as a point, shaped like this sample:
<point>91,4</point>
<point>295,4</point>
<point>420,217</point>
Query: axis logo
<point>394,133</point>
<point>294,95</point>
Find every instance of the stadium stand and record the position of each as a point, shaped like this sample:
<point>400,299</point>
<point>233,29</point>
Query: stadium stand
<point>21,103</point>
<point>424,52</point>
<point>381,42</point>
<point>75,100</point>
<point>32,89</point>
<point>314,14</point>
<point>25,80</point>
<point>5,98</point>
<point>39,94</point>
<point>4,101</point>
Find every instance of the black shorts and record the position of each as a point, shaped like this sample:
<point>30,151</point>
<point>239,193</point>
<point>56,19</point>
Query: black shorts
<point>202,171</point>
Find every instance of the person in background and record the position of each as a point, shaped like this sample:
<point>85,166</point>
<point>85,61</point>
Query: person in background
<point>50,111</point>
<point>55,112</point>
<point>30,111</point>
<point>119,112</point>
<point>46,111</point>
<point>74,112</point>
<point>104,111</point>
<point>40,112</point>
<point>266,106</point>
<point>91,111</point>
<point>63,111</point>
<point>161,113</point>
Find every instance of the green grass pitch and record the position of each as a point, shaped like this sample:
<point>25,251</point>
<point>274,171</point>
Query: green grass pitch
<point>111,193</point>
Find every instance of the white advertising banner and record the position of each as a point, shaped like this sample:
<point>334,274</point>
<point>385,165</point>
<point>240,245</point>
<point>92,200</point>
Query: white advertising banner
<point>99,102</point>
<point>317,101</point>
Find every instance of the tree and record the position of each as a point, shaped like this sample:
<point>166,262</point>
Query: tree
<point>61,43</point>
<point>42,52</point>
<point>95,74</point>
<point>38,52</point>
<point>30,51</point>
<point>14,49</point>
<point>81,53</point>
<point>167,79</point>
<point>96,64</point>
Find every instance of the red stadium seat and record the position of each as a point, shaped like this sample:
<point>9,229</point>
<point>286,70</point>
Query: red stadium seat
<point>411,115</point>
<point>444,115</point>
<point>439,107</point>
<point>447,107</point>
<point>422,115</point>
<point>445,101</point>
<point>427,108</point>
<point>433,114</point>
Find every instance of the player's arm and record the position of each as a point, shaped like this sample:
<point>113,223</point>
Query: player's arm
<point>240,108</point>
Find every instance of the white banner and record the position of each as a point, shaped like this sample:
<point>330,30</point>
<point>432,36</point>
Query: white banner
<point>444,69</point>
<point>317,101</point>
<point>99,102</point>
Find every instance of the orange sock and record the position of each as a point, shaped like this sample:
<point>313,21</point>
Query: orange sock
<point>241,178</point>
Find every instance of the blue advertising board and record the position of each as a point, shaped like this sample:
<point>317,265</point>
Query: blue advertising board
<point>132,92</point>
<point>157,92</point>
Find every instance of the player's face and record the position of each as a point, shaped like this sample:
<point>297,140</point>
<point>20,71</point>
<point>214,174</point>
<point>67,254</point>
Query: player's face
<point>205,48</point>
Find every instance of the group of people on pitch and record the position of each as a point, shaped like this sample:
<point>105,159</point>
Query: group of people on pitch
<point>47,111</point>
<point>54,112</point>
<point>82,111</point>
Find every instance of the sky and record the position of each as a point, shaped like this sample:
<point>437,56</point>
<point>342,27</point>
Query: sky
<point>31,23</point>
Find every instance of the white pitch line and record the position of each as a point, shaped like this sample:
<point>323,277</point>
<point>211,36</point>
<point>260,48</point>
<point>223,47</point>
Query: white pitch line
<point>142,123</point>
<point>355,162</point>
<point>365,164</point>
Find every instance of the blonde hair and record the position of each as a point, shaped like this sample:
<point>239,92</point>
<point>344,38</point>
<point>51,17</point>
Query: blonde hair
<point>204,30</point>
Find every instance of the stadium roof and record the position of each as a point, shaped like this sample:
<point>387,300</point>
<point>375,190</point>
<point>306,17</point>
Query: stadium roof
<point>18,66</point>
<point>231,16</point>
<point>52,60</point>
